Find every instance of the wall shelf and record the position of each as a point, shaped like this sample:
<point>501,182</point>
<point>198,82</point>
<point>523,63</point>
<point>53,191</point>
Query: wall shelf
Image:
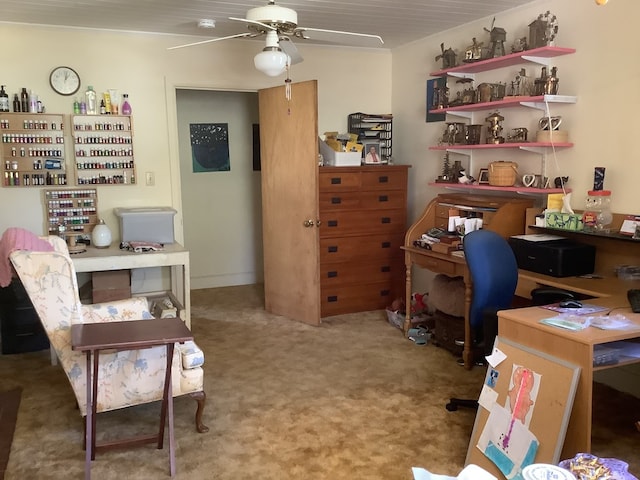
<point>538,102</point>
<point>541,56</point>
<point>490,188</point>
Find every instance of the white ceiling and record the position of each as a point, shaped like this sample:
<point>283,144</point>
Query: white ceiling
<point>398,22</point>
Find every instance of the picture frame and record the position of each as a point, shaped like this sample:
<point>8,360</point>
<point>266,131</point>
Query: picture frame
<point>367,153</point>
<point>483,176</point>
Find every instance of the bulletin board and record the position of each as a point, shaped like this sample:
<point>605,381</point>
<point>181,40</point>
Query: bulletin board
<point>530,396</point>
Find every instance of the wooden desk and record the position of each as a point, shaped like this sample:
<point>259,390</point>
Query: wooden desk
<point>506,216</point>
<point>451,265</point>
<point>94,337</point>
<point>174,255</point>
<point>522,326</point>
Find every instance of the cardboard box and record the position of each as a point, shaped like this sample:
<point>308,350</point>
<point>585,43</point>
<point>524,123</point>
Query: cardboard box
<point>110,285</point>
<point>147,224</point>
<point>339,159</point>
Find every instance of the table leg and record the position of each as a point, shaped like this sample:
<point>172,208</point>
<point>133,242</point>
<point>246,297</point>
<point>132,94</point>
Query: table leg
<point>407,297</point>
<point>89,422</point>
<point>94,402</point>
<point>467,354</point>
<point>167,411</point>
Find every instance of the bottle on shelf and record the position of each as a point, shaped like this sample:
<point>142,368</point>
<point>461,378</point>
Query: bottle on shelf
<point>126,106</point>
<point>91,101</point>
<point>24,100</point>
<point>33,103</point>
<point>16,103</point>
<point>103,108</point>
<point>4,100</point>
<point>76,106</point>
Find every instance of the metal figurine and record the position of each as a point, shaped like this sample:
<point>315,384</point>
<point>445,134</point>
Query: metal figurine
<point>497,37</point>
<point>448,57</point>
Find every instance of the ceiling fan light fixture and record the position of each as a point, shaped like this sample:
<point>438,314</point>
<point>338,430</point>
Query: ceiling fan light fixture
<point>271,61</point>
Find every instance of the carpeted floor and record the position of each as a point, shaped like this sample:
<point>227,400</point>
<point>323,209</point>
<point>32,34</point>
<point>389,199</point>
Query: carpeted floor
<point>9,404</point>
<point>351,399</point>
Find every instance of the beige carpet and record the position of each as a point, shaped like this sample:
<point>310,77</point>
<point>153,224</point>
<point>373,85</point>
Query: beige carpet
<point>351,399</point>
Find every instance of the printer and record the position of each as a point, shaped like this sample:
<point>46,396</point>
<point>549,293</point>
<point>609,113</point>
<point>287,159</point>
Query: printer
<point>553,255</point>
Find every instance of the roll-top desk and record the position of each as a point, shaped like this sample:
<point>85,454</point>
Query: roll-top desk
<point>503,215</point>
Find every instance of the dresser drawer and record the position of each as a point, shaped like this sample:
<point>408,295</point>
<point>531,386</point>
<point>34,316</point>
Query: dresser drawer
<point>332,274</point>
<point>371,200</point>
<point>385,180</point>
<point>339,181</point>
<point>355,298</point>
<point>344,249</point>
<point>362,222</point>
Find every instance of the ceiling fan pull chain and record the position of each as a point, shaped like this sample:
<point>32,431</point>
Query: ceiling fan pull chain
<point>287,90</point>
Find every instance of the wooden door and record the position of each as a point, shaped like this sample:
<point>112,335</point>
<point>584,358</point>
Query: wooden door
<point>289,157</point>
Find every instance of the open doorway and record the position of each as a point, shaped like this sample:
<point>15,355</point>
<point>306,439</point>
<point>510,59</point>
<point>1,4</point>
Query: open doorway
<point>221,206</point>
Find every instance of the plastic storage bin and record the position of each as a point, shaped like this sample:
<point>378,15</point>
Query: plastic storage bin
<point>146,224</point>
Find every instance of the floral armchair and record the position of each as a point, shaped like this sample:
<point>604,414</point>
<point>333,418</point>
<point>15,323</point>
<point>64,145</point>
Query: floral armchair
<point>126,378</point>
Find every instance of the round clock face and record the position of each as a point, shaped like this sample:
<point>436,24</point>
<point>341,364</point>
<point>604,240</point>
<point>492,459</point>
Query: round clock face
<point>64,80</point>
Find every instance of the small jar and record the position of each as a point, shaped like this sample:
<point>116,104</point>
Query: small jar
<point>101,235</point>
<point>597,215</point>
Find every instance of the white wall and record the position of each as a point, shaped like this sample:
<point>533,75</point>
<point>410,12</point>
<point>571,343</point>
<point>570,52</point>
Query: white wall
<point>222,210</point>
<point>141,65</point>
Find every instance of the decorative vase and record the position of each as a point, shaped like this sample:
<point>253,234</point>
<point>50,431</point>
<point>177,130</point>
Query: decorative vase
<point>101,235</point>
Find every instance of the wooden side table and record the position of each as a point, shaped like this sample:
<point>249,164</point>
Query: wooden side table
<point>129,335</point>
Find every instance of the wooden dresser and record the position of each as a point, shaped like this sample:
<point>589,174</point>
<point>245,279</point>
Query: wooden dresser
<point>504,215</point>
<point>363,212</point>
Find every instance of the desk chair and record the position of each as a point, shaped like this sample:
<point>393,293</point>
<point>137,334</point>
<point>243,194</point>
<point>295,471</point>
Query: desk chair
<point>494,274</point>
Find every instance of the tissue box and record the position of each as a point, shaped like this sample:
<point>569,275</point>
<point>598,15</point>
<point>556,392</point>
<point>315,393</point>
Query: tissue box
<point>339,159</point>
<point>149,224</point>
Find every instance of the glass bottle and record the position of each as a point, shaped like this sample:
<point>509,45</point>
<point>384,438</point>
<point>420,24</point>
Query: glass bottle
<point>597,215</point>
<point>126,107</point>
<point>4,100</point>
<point>91,99</point>
<point>24,100</point>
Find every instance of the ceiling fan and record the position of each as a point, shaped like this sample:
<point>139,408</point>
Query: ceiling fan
<point>279,24</point>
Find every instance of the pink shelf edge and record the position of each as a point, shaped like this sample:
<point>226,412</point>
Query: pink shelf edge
<point>463,186</point>
<point>481,146</point>
<point>504,61</point>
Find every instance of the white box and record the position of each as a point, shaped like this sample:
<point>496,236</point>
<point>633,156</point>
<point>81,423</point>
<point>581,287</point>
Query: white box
<point>146,224</point>
<point>339,159</point>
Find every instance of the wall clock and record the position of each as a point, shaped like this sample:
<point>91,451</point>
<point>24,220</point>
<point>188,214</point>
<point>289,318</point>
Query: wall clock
<point>64,80</point>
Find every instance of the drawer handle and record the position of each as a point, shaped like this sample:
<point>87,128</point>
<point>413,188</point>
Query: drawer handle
<point>385,220</point>
<point>384,293</point>
<point>383,198</point>
<point>385,245</point>
<point>336,200</point>
<point>385,269</point>
<point>332,274</point>
<point>336,181</point>
<point>332,298</point>
<point>383,179</point>
<point>332,223</point>
<point>332,249</point>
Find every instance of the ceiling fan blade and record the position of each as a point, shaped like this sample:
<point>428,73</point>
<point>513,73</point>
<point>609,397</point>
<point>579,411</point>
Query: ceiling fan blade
<point>319,34</point>
<point>264,26</point>
<point>238,35</point>
<point>288,47</point>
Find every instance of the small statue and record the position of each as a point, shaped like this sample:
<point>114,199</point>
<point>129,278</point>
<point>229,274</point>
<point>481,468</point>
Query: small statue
<point>448,57</point>
<point>498,36</point>
<point>473,53</point>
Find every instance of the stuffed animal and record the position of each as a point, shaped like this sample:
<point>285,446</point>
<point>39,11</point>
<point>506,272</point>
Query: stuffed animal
<point>418,302</point>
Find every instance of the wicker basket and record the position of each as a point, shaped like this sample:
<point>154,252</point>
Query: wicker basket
<point>503,174</point>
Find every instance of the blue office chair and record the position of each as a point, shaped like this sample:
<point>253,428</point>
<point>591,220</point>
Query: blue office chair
<point>494,273</point>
